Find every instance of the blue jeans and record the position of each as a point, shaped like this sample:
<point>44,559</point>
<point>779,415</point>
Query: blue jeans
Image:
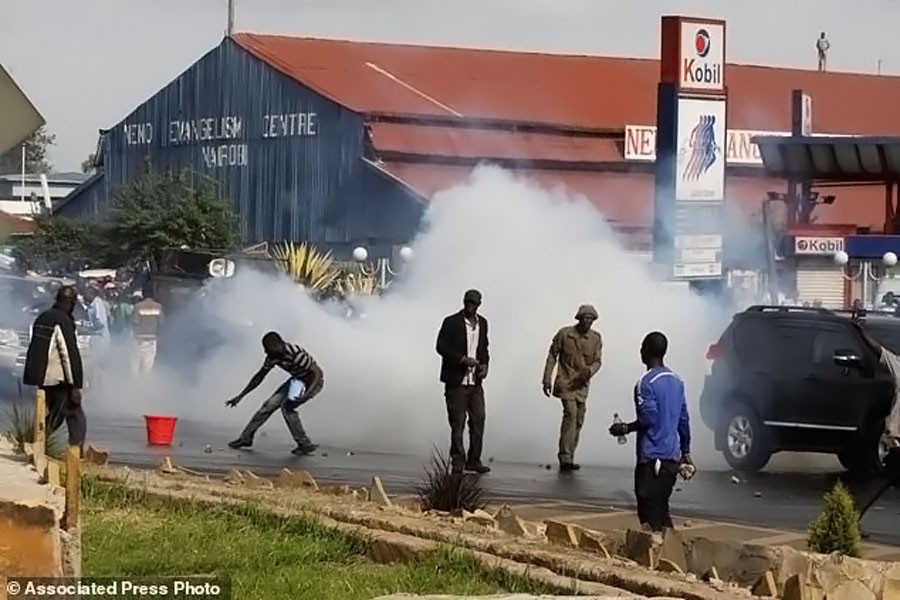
<point>278,400</point>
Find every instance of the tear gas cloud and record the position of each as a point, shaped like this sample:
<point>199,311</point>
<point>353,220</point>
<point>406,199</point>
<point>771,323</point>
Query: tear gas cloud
<point>536,255</point>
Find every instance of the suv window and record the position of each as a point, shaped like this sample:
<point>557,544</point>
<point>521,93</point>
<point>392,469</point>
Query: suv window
<point>830,338</point>
<point>750,337</point>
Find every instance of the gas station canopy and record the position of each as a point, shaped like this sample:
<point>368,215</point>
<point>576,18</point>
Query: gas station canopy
<point>18,116</point>
<point>855,159</point>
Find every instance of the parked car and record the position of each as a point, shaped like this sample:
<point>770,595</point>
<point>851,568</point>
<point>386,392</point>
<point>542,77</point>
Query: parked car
<point>799,379</point>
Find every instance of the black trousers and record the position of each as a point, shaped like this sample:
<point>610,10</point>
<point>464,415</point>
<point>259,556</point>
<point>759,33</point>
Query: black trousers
<point>61,408</point>
<point>465,402</point>
<point>653,491</point>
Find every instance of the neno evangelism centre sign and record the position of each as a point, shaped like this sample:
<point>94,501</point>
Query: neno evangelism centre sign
<point>221,140</point>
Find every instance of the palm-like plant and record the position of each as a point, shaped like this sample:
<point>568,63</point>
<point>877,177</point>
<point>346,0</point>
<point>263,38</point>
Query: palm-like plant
<point>307,266</point>
<point>358,285</point>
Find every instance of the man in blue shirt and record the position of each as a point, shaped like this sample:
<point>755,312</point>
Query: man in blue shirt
<point>663,434</point>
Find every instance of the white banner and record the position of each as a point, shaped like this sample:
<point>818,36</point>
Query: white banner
<point>696,270</point>
<point>700,170</point>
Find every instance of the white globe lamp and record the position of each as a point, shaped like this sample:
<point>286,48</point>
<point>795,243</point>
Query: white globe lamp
<point>360,254</point>
<point>889,259</point>
<point>406,253</point>
<point>841,258</point>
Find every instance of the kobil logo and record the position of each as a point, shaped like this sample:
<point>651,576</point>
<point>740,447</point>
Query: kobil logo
<point>698,69</point>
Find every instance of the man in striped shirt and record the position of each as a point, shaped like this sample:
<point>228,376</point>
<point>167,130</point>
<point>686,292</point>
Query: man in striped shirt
<point>305,382</point>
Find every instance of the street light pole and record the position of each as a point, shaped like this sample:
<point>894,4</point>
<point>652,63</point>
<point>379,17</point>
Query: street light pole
<point>382,267</point>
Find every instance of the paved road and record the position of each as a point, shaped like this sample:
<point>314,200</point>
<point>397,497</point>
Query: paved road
<point>772,499</point>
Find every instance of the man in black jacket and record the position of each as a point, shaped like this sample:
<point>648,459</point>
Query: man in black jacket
<point>462,344</point>
<point>53,364</point>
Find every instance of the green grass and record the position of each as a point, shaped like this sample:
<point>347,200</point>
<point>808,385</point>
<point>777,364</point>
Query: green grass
<point>128,532</point>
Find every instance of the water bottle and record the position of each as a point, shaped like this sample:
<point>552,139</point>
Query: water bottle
<point>616,419</point>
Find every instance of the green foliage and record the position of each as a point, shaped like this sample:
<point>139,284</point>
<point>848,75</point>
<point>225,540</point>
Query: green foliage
<point>88,164</point>
<point>836,528</point>
<point>58,241</point>
<point>20,429</point>
<point>36,146</point>
<point>169,210</point>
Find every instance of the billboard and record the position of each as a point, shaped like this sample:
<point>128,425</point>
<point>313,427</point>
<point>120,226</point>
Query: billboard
<point>20,117</point>
<point>702,54</point>
<point>700,171</point>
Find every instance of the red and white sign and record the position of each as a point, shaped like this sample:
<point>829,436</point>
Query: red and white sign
<point>702,56</point>
<point>640,144</point>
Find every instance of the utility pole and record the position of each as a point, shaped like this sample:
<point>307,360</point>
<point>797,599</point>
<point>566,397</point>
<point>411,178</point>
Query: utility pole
<point>880,61</point>
<point>230,29</point>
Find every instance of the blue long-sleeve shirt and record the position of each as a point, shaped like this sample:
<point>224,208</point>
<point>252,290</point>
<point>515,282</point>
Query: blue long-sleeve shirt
<point>664,426</point>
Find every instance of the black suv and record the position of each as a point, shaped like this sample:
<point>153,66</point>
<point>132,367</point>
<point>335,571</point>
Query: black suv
<point>799,379</point>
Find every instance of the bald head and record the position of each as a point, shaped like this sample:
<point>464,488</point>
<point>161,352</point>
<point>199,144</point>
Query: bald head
<point>66,297</point>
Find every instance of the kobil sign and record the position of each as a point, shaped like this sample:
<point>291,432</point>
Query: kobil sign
<point>818,246</point>
<point>702,57</point>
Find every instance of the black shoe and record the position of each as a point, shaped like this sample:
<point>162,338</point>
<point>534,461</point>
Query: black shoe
<point>479,468</point>
<point>305,450</point>
<point>239,443</point>
<point>569,467</point>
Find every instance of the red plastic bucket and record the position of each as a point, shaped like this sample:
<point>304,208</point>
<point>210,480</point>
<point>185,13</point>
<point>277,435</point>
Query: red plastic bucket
<point>160,429</point>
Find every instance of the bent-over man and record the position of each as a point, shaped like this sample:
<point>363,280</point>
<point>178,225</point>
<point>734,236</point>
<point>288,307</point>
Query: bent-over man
<point>53,364</point>
<point>576,352</point>
<point>462,344</point>
<point>305,382</point>
<point>663,434</point>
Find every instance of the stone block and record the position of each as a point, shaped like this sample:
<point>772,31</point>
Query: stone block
<point>388,547</point>
<point>481,517</point>
<point>592,541</point>
<point>298,479</point>
<point>797,587</point>
<point>667,566</point>
<point>851,590</point>
<point>377,493</point>
<point>672,549</point>
<point>765,587</point>
<point>52,475</point>
<point>251,479</point>
<point>96,457</point>
<point>508,522</point>
<point>642,547</point>
<point>559,533</point>
<point>891,588</point>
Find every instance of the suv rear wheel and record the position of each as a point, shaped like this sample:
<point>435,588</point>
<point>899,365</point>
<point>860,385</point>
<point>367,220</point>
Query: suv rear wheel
<point>743,440</point>
<point>865,456</point>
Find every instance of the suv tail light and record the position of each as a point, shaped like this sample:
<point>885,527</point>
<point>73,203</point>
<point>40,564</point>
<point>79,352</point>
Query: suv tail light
<point>713,352</point>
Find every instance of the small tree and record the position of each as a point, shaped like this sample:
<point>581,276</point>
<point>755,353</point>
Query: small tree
<point>169,210</point>
<point>836,528</point>
<point>58,241</point>
<point>36,159</point>
<point>88,165</point>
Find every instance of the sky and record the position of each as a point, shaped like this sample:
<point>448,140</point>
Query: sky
<point>86,64</point>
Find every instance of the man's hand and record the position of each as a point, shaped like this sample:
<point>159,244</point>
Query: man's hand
<point>482,371</point>
<point>547,388</point>
<point>75,397</point>
<point>468,361</point>
<point>857,320</point>
<point>618,429</point>
<point>233,402</point>
<point>686,459</point>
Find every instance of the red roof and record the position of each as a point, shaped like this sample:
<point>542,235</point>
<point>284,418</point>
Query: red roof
<point>587,91</point>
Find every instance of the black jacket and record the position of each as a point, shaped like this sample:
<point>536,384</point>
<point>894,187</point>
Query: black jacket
<point>452,345</point>
<point>53,357</point>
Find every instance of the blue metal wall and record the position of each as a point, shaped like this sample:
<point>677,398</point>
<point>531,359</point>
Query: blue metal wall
<point>289,159</point>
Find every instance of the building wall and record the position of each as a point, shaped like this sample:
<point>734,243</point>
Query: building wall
<point>288,159</point>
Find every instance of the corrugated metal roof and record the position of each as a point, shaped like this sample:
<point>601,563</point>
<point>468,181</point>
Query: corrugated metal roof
<point>486,144</point>
<point>590,91</point>
<point>626,199</point>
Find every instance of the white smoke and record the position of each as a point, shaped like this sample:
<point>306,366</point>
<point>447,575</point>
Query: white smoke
<point>536,256</point>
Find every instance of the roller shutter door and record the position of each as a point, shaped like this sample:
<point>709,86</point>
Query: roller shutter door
<point>820,281</point>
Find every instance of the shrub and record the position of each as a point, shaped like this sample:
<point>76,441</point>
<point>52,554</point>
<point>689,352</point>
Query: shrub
<point>836,528</point>
<point>20,430</point>
<point>447,491</point>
